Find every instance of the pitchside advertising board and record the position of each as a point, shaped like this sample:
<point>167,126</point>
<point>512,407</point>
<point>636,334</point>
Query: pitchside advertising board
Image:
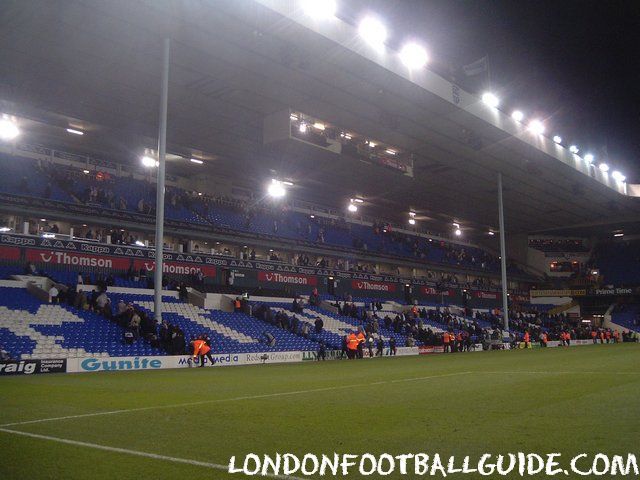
<point>30,367</point>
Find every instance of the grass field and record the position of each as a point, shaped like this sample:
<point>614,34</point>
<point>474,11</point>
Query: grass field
<point>570,401</point>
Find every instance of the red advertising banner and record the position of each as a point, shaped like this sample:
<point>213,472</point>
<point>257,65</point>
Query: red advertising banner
<point>486,295</point>
<point>77,259</point>
<point>175,268</point>
<point>9,253</point>
<point>375,286</point>
<point>290,278</point>
<point>435,291</point>
<point>425,350</point>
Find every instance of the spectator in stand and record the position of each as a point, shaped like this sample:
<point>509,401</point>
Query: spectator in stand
<point>53,294</point>
<point>319,325</point>
<point>392,346</point>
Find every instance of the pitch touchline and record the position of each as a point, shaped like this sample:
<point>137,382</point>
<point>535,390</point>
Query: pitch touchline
<point>234,399</point>
<point>136,453</point>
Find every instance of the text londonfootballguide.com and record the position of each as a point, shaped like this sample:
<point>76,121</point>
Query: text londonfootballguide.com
<point>423,464</point>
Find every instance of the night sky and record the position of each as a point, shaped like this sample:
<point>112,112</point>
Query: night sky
<point>574,63</point>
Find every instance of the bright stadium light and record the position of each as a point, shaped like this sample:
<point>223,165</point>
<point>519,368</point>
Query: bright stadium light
<point>352,207</point>
<point>303,128</point>
<point>517,115</point>
<point>149,162</point>
<point>414,56</point>
<point>86,172</point>
<point>574,149</point>
<point>196,160</point>
<point>603,167</point>
<point>319,126</point>
<point>8,129</point>
<point>536,127</point>
<point>276,189</point>
<point>588,158</point>
<point>557,139</point>
<point>75,131</point>
<point>491,232</point>
<point>373,32</point>
<point>617,176</point>
<point>458,232</point>
<point>412,221</point>
<point>490,100</point>
<point>319,9</point>
<point>357,200</point>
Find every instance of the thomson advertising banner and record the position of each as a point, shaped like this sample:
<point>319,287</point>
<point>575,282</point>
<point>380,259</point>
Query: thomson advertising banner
<point>373,286</point>
<point>287,278</point>
<point>31,367</point>
<point>175,268</point>
<point>52,257</point>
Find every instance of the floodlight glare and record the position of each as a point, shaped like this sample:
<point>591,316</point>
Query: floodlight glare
<point>490,100</point>
<point>557,139</point>
<point>603,167</point>
<point>413,56</point>
<point>412,221</point>
<point>196,160</point>
<point>588,158</point>
<point>149,162</point>
<point>75,131</point>
<point>574,149</point>
<point>373,32</point>
<point>276,189</point>
<point>517,115</point>
<point>618,176</point>
<point>458,232</point>
<point>8,129</point>
<point>352,208</point>
<point>303,128</point>
<point>536,127</point>
<point>319,9</point>
<point>491,233</point>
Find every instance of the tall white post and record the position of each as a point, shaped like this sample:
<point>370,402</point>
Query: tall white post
<point>503,256</point>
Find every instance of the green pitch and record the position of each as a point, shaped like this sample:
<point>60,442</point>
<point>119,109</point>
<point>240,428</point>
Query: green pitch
<point>575,400</point>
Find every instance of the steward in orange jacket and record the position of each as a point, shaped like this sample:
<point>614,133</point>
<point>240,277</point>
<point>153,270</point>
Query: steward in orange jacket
<point>202,349</point>
<point>352,346</point>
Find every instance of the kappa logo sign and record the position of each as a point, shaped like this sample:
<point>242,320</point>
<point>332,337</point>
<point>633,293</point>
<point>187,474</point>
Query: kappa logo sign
<point>290,278</point>
<point>376,286</point>
<point>76,259</point>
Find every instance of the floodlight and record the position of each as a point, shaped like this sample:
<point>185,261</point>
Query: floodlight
<point>74,131</point>
<point>618,176</point>
<point>603,167</point>
<point>588,158</point>
<point>352,208</point>
<point>491,233</point>
<point>319,9</point>
<point>414,56</point>
<point>373,32</point>
<point>490,100</point>
<point>390,152</point>
<point>458,232</point>
<point>303,128</point>
<point>149,162</point>
<point>574,149</point>
<point>8,129</point>
<point>517,115</point>
<point>276,189</point>
<point>319,126</point>
<point>196,160</point>
<point>536,127</point>
<point>557,139</point>
<point>412,221</point>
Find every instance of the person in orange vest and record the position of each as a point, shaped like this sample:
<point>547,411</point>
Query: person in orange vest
<point>352,346</point>
<point>527,339</point>
<point>237,305</point>
<point>445,340</point>
<point>201,349</point>
<point>361,340</point>
<point>594,336</point>
<point>608,335</point>
<point>616,336</point>
<point>567,338</point>
<point>459,344</point>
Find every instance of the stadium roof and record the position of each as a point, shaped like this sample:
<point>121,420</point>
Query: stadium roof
<point>96,65</point>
